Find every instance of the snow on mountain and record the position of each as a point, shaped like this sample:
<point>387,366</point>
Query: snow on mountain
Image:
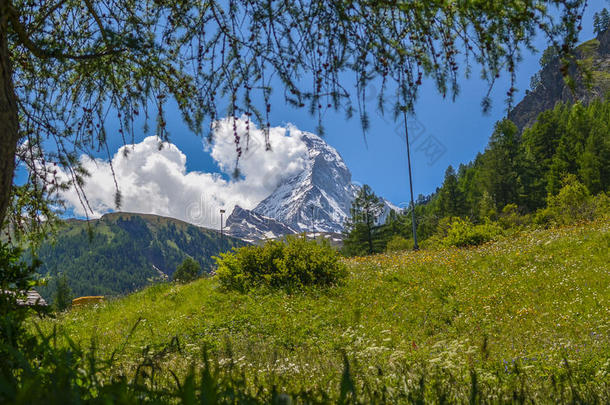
<point>250,226</point>
<point>319,198</point>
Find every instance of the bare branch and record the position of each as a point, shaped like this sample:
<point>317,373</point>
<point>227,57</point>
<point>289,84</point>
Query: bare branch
<point>45,53</point>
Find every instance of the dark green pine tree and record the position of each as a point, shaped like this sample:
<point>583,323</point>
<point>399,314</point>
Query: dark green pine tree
<point>62,299</point>
<point>538,146</point>
<point>451,199</point>
<point>566,159</point>
<point>591,166</point>
<point>601,21</point>
<point>187,271</point>
<point>396,224</point>
<point>594,162</point>
<point>362,229</point>
<point>500,171</point>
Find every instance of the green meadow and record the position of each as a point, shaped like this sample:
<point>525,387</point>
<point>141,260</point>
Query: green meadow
<point>522,319</point>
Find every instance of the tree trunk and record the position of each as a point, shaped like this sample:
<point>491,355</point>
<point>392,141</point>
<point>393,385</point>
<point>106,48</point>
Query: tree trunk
<point>9,121</point>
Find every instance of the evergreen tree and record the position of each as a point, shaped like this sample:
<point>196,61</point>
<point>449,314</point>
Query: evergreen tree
<point>62,299</point>
<point>187,271</point>
<point>396,224</point>
<point>601,21</point>
<point>469,180</point>
<point>538,146</point>
<point>487,207</point>
<point>451,198</point>
<point>363,236</point>
<point>591,166</point>
<point>501,165</point>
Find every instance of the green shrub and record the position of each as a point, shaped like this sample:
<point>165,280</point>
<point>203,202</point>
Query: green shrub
<point>511,218</point>
<point>293,264</point>
<point>463,233</point>
<point>572,204</point>
<point>187,271</point>
<point>398,243</point>
<point>601,205</point>
<point>62,299</point>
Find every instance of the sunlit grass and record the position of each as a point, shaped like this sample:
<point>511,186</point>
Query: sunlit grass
<point>534,307</point>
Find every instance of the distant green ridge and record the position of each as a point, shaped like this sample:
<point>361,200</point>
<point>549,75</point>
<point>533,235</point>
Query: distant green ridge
<point>122,252</point>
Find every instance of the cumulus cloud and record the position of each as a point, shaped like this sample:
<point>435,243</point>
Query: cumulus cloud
<point>153,179</point>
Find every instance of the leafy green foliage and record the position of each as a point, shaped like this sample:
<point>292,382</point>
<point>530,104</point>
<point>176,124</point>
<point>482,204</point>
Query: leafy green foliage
<point>462,233</point>
<point>572,204</point>
<point>189,270</point>
<point>16,278</point>
<point>294,264</point>
<point>62,299</point>
<point>451,199</point>
<point>397,243</point>
<point>362,229</point>
<point>511,218</point>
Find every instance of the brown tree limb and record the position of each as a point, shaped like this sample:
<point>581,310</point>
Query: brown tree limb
<point>96,17</point>
<point>39,52</point>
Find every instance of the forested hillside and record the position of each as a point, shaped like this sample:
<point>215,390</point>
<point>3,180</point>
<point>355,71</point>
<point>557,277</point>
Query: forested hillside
<point>517,181</point>
<point>122,252</point>
<point>525,170</point>
<point>557,136</point>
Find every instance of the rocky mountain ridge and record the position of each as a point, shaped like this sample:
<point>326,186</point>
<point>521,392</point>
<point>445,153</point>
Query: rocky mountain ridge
<point>593,57</point>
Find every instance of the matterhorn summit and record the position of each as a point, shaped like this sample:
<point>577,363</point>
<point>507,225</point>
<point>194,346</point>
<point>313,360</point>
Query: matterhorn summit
<point>318,198</point>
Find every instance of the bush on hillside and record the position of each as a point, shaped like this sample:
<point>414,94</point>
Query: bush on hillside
<point>293,264</point>
<point>511,218</point>
<point>463,233</point>
<point>572,204</point>
<point>398,243</point>
<point>601,206</point>
<point>187,271</point>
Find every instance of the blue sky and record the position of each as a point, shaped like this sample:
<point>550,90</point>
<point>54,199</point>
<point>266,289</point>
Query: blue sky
<point>457,129</point>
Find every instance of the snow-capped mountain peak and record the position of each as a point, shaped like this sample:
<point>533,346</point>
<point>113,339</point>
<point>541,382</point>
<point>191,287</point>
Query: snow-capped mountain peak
<point>318,198</point>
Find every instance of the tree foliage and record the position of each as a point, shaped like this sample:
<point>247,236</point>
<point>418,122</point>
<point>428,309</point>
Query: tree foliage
<point>70,66</point>
<point>548,174</point>
<point>451,198</point>
<point>601,21</point>
<point>62,299</point>
<point>15,279</point>
<point>189,270</point>
<point>362,228</point>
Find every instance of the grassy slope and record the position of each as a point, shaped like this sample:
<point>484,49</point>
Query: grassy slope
<point>538,299</point>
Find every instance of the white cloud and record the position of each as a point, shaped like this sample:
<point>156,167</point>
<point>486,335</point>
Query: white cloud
<point>154,180</point>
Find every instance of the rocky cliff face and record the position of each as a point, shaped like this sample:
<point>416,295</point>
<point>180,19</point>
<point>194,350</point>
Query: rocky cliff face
<point>594,56</point>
